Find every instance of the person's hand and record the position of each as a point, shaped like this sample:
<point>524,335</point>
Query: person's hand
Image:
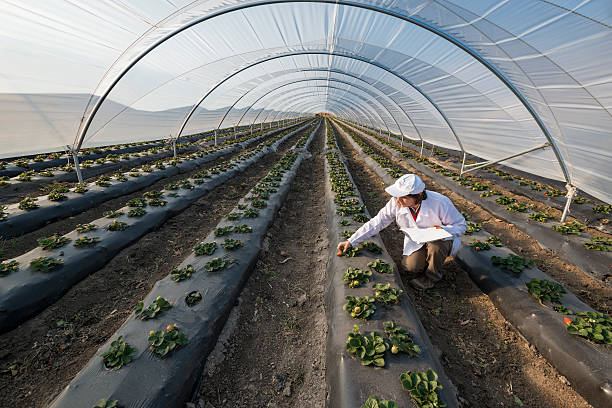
<point>343,246</point>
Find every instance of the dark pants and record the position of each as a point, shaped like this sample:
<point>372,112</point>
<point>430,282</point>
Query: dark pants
<point>428,259</point>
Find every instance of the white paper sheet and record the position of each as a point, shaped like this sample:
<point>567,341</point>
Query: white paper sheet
<point>423,235</point>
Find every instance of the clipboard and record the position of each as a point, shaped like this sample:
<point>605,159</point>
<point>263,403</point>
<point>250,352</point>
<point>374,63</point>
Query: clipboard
<point>423,235</point>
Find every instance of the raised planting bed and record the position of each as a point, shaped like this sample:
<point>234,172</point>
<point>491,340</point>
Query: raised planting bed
<point>570,244</point>
<point>18,221</point>
<point>203,290</point>
<point>26,291</point>
<point>382,357</point>
<point>503,276</point>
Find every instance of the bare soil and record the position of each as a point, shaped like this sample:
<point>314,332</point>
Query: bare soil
<point>40,357</point>
<point>486,358</point>
<point>272,351</point>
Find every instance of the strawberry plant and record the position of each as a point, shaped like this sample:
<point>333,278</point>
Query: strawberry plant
<point>346,234</point>
<point>361,218</point>
<point>400,339</point>
<point>553,192</point>
<point>259,203</point>
<point>603,244</point>
<point>517,207</point>
<point>504,200</point>
<point>380,266</point>
<point>386,294</point>
<point>479,187</point>
<point>512,263</point>
<point>46,173</point>
<point>207,248</point>
<point>540,216</point>
<point>602,209</point>
<point>192,298</point>
<point>495,241</point>
<point>104,403</point>
<point>221,231</point>
<point>7,267</point>
<point>86,242</point>
<point>251,213</point>
<point>164,342</point>
<point>137,202</point>
<point>371,247</point>
<point>172,186</point>
<point>53,242</point>
<point>82,228</point>
<point>233,216</point>
<point>580,200</point>
<point>472,227</point>
<point>134,174</point>
<point>28,204</point>
<point>351,252</point>
<point>180,274</point>
<point>570,228</point>
<point>3,213</point>
<point>360,308</point>
<point>116,226</point>
<point>422,387</point>
<point>344,223</point>
<point>58,194</point>
<point>153,194</point>
<point>80,188</point>
<point>156,202</point>
<point>217,264</point>
<point>150,312</point>
<point>374,402</point>
<point>103,181</point>
<point>490,193</point>
<point>113,214</point>
<point>25,176</point>
<point>46,264</point>
<point>119,354</point>
<point>230,244</point>
<point>562,309</point>
<point>242,207</point>
<point>596,327</point>
<point>146,168</point>
<point>480,246</point>
<point>370,349</point>
<point>120,177</point>
<point>186,185</point>
<point>242,229</point>
<point>545,290</point>
<point>137,212</point>
<point>355,277</point>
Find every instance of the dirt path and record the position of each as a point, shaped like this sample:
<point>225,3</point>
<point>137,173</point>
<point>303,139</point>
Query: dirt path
<point>486,358</point>
<point>271,352</point>
<point>40,357</point>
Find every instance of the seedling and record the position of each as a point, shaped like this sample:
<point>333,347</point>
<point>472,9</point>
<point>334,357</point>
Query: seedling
<point>251,213</point>
<point>230,244</point>
<point>401,341</point>
<point>371,247</point>
<point>351,252</point>
<point>85,242</point>
<point>479,187</point>
<point>53,242</point>
<point>3,213</point>
<point>103,181</point>
<point>545,290</point>
<point>242,229</point>
<point>164,342</point>
<point>480,246</point>
<point>570,228</point>
<point>562,309</point>
<point>233,216</point>
<point>360,308</point>
<point>603,244</point>
<point>221,231</point>
<point>580,200</point>
<point>384,293</point>
<point>7,267</point>
<point>346,234</point>
<point>180,274</point>
<point>113,214</point>
<point>156,202</point>
<point>25,176</point>
<point>540,216</point>
<point>370,349</point>
<point>207,248</point>
<point>355,277</point>
<point>242,207</point>
<point>28,204</point>
<point>116,226</point>
<point>153,194</point>
<point>186,185</point>
<point>517,207</point>
<point>603,209</point>
<point>422,387</point>
<point>344,223</point>
<point>137,212</point>
<point>217,264</point>
<point>504,200</point>
<point>104,403</point>
<point>120,177</point>
<point>150,312</point>
<point>553,192</point>
<point>119,354</point>
<point>495,241</point>
<point>82,228</point>
<point>46,264</point>
<point>57,195</point>
<point>380,266</point>
<point>137,202</point>
<point>192,298</point>
<point>596,327</point>
<point>374,402</point>
<point>512,263</point>
<point>80,188</point>
<point>473,227</point>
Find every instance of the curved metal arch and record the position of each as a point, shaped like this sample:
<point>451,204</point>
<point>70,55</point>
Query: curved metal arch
<point>409,19</point>
<point>327,86</point>
<point>335,71</point>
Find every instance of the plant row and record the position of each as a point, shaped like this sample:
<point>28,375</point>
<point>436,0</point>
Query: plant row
<point>158,353</point>
<point>32,281</point>
<point>366,289</point>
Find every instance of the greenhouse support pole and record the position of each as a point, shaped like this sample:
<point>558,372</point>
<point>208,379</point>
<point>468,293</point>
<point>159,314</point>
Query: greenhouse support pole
<point>215,137</point>
<point>77,167</point>
<point>571,192</point>
<point>422,143</point>
<point>476,166</point>
<point>174,146</point>
<point>462,164</point>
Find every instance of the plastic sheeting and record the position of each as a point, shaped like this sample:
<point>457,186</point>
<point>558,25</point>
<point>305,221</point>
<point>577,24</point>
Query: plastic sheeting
<point>59,56</point>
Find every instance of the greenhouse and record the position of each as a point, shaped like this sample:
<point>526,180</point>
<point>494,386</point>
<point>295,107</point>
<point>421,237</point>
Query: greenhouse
<point>306,203</point>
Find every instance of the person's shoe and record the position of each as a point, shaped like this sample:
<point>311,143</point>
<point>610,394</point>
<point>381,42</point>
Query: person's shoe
<point>422,283</point>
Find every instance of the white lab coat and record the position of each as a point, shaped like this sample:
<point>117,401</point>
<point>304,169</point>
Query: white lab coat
<point>436,210</point>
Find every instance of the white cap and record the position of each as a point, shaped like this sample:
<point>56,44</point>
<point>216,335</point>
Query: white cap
<point>407,184</point>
